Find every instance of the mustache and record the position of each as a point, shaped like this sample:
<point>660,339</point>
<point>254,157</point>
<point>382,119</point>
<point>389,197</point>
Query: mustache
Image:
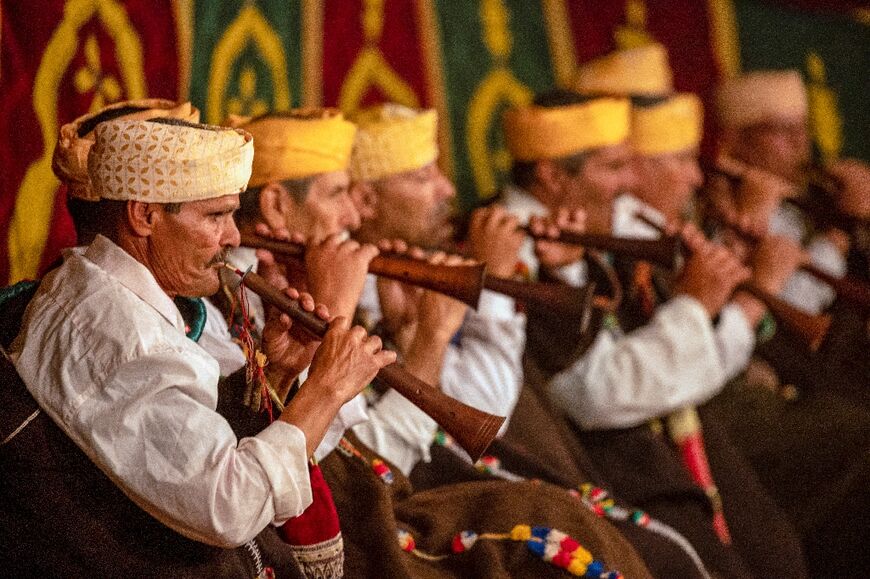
<point>218,259</point>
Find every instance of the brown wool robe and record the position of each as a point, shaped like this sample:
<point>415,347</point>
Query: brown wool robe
<point>371,512</point>
<point>642,469</point>
<point>62,517</point>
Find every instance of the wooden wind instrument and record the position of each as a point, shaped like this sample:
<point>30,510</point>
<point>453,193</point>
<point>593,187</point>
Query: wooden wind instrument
<point>473,429</point>
<point>819,204</point>
<point>811,329</point>
<point>462,282</point>
<point>847,288</point>
<point>663,251</point>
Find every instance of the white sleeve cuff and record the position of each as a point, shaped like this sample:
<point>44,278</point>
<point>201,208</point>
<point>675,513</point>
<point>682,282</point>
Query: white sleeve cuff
<point>280,449</point>
<point>495,306</point>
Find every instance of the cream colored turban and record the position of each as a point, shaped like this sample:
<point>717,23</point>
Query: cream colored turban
<point>534,133</point>
<point>393,139</point>
<point>299,143</point>
<point>70,160</point>
<point>762,96</point>
<point>671,126</point>
<point>641,71</point>
<point>167,163</point>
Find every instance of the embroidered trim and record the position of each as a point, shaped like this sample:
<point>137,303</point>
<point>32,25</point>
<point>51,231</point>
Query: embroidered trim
<point>23,425</point>
<point>324,560</point>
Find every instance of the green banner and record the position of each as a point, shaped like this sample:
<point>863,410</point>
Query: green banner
<point>246,58</point>
<point>495,55</point>
<point>832,51</point>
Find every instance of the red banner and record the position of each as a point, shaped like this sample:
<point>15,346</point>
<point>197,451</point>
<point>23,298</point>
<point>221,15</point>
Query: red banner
<point>59,60</point>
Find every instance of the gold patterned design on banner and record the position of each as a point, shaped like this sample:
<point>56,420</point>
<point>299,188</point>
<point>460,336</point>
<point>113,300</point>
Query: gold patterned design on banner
<point>90,78</point>
<point>633,33</point>
<point>371,68</point>
<point>726,45</point>
<point>183,12</point>
<point>499,87</point>
<point>249,27</point>
<point>561,43</point>
<point>247,103</point>
<point>825,120</point>
<point>28,229</point>
<point>431,43</point>
<point>312,53</point>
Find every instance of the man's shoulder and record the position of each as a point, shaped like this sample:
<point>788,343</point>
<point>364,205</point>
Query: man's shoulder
<point>80,300</point>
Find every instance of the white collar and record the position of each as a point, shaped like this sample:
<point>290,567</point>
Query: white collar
<point>133,275</point>
<point>626,223</point>
<point>522,204</point>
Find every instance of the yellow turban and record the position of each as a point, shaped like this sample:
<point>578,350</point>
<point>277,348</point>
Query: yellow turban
<point>534,133</point>
<point>393,139</point>
<point>762,96</point>
<point>297,144</point>
<point>70,160</point>
<point>641,71</point>
<point>168,163</point>
<point>671,126</point>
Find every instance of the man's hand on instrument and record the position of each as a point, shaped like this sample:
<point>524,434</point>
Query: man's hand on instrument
<point>494,238</point>
<point>336,272</point>
<point>711,272</point>
<point>288,348</point>
<point>346,362</point>
<point>774,261</point>
<point>438,316</point>
<point>854,195</point>
<point>279,273</point>
<point>552,254</point>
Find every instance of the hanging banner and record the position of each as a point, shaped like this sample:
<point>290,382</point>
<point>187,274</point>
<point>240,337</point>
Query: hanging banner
<point>246,57</point>
<point>59,60</point>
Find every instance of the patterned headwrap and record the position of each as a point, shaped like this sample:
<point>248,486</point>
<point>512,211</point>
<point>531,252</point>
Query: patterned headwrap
<point>70,160</point>
<point>163,162</point>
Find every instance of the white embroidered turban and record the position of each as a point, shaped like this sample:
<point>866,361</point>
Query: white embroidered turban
<point>70,159</point>
<point>760,97</point>
<point>160,162</point>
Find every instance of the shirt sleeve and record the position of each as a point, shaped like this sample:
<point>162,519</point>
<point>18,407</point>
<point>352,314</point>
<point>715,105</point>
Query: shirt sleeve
<point>809,293</point>
<point>398,431</point>
<point>625,380</point>
<point>485,369</point>
<point>735,340</point>
<point>151,426</point>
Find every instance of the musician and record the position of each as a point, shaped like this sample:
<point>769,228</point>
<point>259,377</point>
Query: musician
<point>369,508</point>
<point>665,137</point>
<point>573,151</point>
<point>402,193</point>
<point>763,117</point>
<point>141,404</point>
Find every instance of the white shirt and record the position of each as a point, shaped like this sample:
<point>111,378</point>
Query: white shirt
<point>802,289</point>
<point>734,335</point>
<point>484,370</point>
<point>103,351</point>
<point>624,380</point>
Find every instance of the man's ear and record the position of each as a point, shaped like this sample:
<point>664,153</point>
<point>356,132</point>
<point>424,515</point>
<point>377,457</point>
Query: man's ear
<point>549,176</point>
<point>141,217</point>
<point>365,199</point>
<point>274,205</point>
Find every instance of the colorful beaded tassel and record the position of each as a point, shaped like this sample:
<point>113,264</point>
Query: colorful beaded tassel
<point>551,545</point>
